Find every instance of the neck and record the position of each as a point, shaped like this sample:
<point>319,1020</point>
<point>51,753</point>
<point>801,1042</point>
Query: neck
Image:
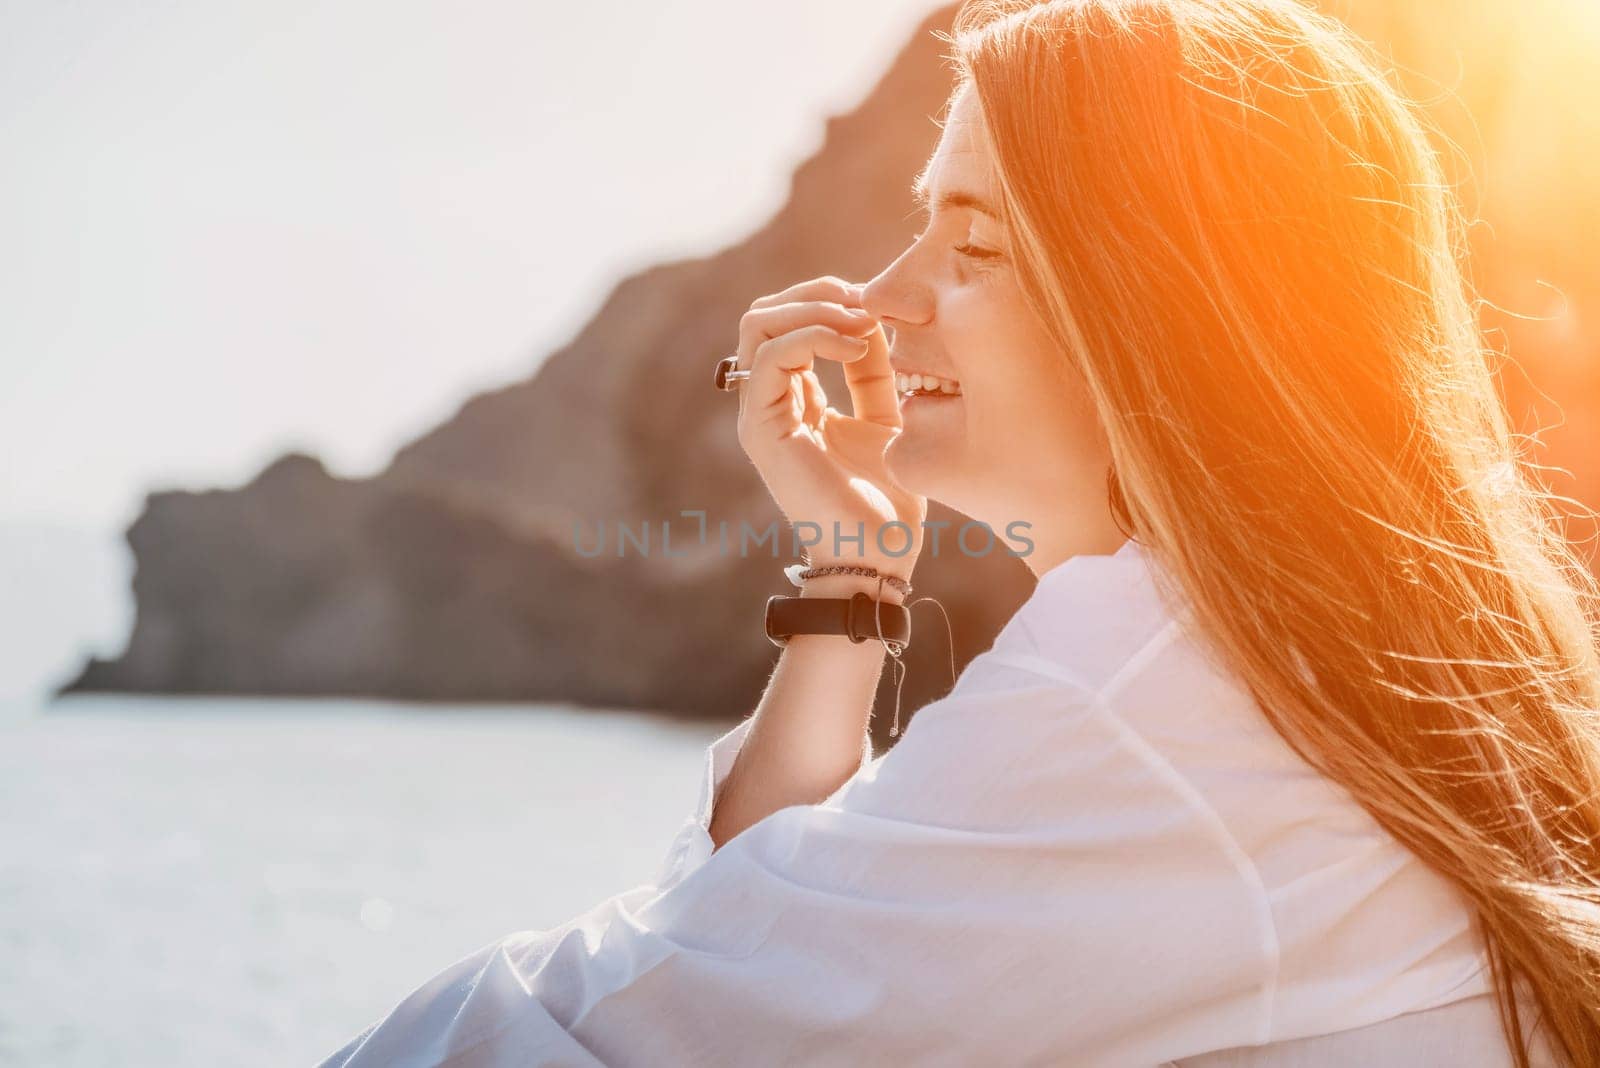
<point>1063,518</point>
<point>1060,534</point>
<point>1048,551</point>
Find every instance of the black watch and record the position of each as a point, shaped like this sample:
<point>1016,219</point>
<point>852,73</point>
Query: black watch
<point>856,618</point>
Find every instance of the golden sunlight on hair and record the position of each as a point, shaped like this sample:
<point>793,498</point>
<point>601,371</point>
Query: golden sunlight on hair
<point>1245,242</point>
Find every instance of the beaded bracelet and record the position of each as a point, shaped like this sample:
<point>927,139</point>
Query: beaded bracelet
<point>798,573</point>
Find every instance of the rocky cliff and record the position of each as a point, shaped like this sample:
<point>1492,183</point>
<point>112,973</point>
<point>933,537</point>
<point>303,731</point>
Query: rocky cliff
<point>453,575</point>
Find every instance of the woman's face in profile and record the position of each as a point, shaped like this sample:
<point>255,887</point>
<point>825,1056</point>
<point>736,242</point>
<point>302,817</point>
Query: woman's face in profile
<point>1010,434</point>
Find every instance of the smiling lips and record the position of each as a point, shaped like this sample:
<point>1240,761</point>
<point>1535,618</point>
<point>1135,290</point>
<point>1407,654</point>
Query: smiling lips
<point>924,385</point>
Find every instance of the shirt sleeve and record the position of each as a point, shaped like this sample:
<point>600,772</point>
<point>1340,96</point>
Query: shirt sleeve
<point>1017,881</point>
<point>692,844</point>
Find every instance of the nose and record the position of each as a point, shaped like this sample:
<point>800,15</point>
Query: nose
<point>896,294</point>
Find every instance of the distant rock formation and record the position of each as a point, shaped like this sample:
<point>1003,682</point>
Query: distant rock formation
<point>452,574</point>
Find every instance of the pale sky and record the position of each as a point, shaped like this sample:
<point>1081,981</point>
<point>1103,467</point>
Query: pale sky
<point>227,230</point>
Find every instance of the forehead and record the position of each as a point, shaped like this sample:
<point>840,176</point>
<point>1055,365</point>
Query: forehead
<point>961,160</point>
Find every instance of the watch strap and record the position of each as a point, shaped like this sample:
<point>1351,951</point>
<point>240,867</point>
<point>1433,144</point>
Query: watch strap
<point>856,617</point>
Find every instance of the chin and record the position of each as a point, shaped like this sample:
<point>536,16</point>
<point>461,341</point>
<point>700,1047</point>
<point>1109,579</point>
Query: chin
<point>922,464</point>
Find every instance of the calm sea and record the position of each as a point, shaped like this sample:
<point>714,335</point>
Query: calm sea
<point>249,882</point>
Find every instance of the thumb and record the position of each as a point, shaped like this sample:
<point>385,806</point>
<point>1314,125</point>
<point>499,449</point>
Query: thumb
<point>857,443</point>
<point>860,444</point>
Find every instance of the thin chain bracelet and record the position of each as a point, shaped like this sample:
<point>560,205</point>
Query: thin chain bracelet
<point>898,584</point>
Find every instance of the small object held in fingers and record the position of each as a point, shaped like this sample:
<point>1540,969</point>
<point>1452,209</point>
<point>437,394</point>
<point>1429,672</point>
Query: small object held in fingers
<point>727,376</point>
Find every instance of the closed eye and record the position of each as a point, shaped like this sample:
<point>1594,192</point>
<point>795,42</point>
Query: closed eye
<point>970,251</point>
<point>974,252</point>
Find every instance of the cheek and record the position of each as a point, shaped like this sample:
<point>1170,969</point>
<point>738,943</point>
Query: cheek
<point>983,333</point>
<point>1027,411</point>
<point>1014,383</point>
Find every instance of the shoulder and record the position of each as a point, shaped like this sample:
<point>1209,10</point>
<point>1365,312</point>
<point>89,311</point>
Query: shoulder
<point>1356,928</point>
<point>1022,751</point>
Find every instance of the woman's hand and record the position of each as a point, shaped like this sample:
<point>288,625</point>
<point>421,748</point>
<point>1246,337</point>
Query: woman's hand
<point>820,465</point>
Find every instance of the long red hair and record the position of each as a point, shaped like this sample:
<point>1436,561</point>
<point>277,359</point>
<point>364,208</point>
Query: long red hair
<point>1238,232</point>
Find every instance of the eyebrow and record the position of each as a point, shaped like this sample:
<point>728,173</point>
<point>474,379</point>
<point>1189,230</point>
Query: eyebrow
<point>954,198</point>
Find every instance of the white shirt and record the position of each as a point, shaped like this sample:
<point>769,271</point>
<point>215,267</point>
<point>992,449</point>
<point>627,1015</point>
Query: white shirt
<point>1094,851</point>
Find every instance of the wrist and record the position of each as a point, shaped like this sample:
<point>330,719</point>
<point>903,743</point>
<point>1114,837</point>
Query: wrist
<point>895,570</point>
<point>845,586</point>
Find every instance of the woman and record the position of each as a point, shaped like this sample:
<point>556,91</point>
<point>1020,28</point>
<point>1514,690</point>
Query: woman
<point>1295,748</point>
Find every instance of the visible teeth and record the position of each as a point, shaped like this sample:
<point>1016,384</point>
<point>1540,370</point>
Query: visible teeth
<point>923,383</point>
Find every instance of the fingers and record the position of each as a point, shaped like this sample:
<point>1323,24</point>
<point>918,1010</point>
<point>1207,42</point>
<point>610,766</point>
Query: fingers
<point>770,391</point>
<point>832,302</point>
<point>760,325</point>
<point>825,288</point>
<point>871,382</point>
<point>816,399</point>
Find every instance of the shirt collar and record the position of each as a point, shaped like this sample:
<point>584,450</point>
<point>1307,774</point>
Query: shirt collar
<point>1089,609</point>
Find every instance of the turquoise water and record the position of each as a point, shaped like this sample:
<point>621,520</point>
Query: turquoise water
<point>249,882</point>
